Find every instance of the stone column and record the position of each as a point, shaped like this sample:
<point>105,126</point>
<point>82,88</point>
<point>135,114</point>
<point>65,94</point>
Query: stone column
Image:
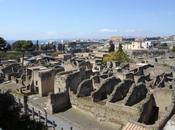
<point>25,105</point>
<point>39,116</point>
<point>45,112</point>
<point>53,125</point>
<point>33,113</point>
<point>19,101</point>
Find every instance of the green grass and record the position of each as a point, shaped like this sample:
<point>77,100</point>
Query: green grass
<point>10,55</point>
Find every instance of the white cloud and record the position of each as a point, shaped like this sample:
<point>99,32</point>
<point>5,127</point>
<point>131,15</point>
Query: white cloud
<point>131,30</point>
<point>107,30</point>
<point>50,33</point>
<point>121,31</point>
<point>53,34</point>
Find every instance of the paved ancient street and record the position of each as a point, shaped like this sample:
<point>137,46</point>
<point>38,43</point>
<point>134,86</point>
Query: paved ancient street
<point>72,117</point>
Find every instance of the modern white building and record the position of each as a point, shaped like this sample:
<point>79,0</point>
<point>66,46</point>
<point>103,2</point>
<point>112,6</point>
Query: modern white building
<point>146,44</point>
<point>132,45</point>
<point>137,45</point>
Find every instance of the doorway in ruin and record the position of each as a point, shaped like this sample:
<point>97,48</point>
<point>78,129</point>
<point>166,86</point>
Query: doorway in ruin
<point>36,89</point>
<point>154,115</point>
<point>149,116</point>
<point>103,95</point>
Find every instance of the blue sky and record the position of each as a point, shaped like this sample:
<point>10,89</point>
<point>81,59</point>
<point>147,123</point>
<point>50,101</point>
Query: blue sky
<point>45,19</point>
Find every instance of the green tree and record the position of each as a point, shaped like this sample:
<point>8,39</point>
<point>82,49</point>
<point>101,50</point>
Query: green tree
<point>8,47</point>
<point>23,46</point>
<point>51,47</point>
<point>61,47</point>
<point>119,56</point>
<point>112,46</point>
<point>3,44</point>
<point>9,111</point>
<point>11,117</point>
<point>37,45</point>
<point>173,50</point>
<point>44,47</point>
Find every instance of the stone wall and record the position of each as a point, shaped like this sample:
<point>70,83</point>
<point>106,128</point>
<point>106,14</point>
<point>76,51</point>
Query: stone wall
<point>136,94</point>
<point>105,89</point>
<point>162,101</point>
<point>88,91</point>
<point>120,91</point>
<point>149,111</point>
<point>58,102</point>
<point>75,78</point>
<point>11,68</point>
<point>46,82</point>
<point>85,88</point>
<point>163,98</point>
<point>109,112</point>
<point>161,122</point>
<point>35,81</point>
<point>129,76</point>
<point>96,79</point>
<point>59,83</point>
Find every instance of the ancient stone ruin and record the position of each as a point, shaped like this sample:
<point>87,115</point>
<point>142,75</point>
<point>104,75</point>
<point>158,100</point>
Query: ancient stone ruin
<point>110,99</point>
<point>117,93</point>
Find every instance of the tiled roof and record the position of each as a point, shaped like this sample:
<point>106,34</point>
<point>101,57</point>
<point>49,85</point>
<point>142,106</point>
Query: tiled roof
<point>132,126</point>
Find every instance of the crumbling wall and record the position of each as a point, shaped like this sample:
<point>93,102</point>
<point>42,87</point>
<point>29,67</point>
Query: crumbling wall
<point>144,78</point>
<point>95,79</point>
<point>85,88</point>
<point>11,68</point>
<point>104,76</point>
<point>60,83</point>
<point>136,94</point>
<point>88,73</point>
<point>85,65</point>
<point>149,112</point>
<point>139,71</point>
<point>74,79</point>
<point>58,102</point>
<point>163,98</point>
<point>105,89</point>
<point>163,118</point>
<point>14,70</point>
<point>35,82</point>
<point>160,80</point>
<point>129,76</point>
<point>109,112</point>
<point>46,82</point>
<point>59,69</point>
<point>120,91</point>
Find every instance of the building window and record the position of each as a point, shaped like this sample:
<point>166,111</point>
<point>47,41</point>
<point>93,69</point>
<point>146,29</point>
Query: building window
<point>36,82</point>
